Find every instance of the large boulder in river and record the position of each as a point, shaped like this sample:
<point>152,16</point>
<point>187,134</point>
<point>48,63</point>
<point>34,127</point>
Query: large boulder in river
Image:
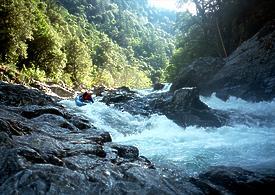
<point>248,73</point>
<point>183,107</point>
<point>118,95</point>
<point>158,86</point>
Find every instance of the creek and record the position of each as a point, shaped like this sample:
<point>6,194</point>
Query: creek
<point>248,141</point>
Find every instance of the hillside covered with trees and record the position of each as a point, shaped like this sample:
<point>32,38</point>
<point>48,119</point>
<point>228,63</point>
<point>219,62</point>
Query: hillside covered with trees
<point>86,42</point>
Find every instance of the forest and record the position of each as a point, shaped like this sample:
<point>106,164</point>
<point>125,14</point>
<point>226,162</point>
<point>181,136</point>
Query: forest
<point>119,42</point>
<point>125,97</point>
<point>84,42</point>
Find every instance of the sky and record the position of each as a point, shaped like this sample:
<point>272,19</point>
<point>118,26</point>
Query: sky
<point>172,5</point>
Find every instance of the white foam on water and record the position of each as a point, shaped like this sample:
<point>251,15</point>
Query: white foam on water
<point>193,149</point>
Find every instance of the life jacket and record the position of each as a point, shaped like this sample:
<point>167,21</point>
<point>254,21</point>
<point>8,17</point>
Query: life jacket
<point>86,97</point>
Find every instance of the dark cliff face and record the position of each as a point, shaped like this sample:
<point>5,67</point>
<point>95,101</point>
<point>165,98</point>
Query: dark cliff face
<point>248,73</point>
<point>198,73</point>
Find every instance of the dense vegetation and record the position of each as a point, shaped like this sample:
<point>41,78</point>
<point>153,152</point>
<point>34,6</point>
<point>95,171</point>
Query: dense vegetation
<point>217,29</point>
<point>86,42</point>
<point>120,42</point>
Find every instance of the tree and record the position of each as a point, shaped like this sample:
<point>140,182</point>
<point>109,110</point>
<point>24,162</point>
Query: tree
<point>16,24</point>
<point>79,63</point>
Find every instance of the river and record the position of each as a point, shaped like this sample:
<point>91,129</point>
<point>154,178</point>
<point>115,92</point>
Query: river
<point>248,141</point>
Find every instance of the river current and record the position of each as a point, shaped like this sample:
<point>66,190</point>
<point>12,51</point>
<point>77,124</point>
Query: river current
<point>248,141</point>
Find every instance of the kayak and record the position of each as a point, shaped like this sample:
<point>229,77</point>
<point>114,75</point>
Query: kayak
<point>78,102</point>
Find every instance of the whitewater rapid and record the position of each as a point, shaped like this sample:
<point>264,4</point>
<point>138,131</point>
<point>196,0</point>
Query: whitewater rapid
<point>248,141</point>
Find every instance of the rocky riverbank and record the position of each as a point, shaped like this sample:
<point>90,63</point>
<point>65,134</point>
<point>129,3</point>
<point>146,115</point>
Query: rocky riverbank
<point>47,150</point>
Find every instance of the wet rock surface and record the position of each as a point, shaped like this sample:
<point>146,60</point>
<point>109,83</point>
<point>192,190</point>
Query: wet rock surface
<point>47,150</point>
<point>183,107</point>
<point>118,95</point>
<point>158,86</point>
<point>248,73</point>
<point>234,180</point>
<point>198,73</point>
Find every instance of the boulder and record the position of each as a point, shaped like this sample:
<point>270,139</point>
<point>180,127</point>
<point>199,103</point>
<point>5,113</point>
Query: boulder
<point>125,151</point>
<point>53,89</point>
<point>118,95</point>
<point>158,86</point>
<point>19,95</point>
<point>183,107</point>
<point>98,90</point>
<point>124,89</point>
<point>234,180</point>
<point>61,91</point>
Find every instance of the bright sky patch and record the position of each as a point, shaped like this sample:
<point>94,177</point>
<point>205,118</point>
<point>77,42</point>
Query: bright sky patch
<point>173,5</point>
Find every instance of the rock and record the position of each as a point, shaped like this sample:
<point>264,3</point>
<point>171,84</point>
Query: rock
<point>13,124</point>
<point>158,86</point>
<point>188,98</point>
<point>80,122</point>
<point>183,107</point>
<point>248,73</point>
<point>18,95</point>
<point>46,178</point>
<point>98,90</point>
<point>124,89</point>
<point>234,180</point>
<point>5,139</point>
<point>61,91</point>
<point>125,151</point>
<point>35,111</point>
<point>53,89</point>
<point>198,73</point>
<point>118,95</point>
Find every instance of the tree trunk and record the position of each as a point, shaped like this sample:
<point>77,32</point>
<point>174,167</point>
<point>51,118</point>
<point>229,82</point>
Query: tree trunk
<point>221,39</point>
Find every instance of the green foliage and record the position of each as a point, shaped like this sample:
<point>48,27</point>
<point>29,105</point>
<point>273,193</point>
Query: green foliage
<point>132,25</point>
<point>32,73</point>
<point>79,63</point>
<point>16,24</point>
<point>84,42</point>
